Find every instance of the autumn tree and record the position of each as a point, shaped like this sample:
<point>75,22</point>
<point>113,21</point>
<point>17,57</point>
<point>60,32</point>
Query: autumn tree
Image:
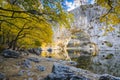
<point>28,23</point>
<point>112,15</point>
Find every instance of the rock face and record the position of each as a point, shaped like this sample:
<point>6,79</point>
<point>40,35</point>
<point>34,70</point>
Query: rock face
<point>60,72</point>
<point>64,72</point>
<point>87,19</point>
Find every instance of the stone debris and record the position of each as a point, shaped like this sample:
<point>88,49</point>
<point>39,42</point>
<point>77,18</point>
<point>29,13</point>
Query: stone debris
<point>34,59</point>
<point>27,63</point>
<point>41,68</point>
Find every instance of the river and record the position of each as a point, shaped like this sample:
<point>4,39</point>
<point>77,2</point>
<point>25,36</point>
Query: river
<point>105,62</point>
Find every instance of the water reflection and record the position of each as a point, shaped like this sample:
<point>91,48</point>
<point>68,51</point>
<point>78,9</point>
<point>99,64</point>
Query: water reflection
<point>57,54</point>
<point>84,62</point>
<point>105,62</point>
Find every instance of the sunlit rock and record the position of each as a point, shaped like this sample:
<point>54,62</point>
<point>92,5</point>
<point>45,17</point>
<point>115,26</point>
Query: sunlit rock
<point>87,19</point>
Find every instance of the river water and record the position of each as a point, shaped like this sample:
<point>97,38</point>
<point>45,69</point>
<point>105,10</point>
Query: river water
<point>105,62</point>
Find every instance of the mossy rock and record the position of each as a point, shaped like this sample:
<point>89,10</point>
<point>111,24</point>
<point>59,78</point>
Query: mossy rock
<point>109,44</point>
<point>109,56</point>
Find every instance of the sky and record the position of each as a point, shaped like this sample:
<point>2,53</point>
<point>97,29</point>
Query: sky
<point>71,4</point>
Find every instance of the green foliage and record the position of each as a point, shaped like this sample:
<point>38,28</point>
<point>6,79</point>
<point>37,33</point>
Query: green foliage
<point>28,23</point>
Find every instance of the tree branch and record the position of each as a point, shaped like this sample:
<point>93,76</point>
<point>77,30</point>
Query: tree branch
<point>111,7</point>
<point>10,23</point>
<point>16,17</point>
<point>29,11</point>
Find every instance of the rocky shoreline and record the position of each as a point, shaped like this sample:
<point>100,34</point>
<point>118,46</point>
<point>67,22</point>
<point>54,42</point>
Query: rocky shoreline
<point>34,67</point>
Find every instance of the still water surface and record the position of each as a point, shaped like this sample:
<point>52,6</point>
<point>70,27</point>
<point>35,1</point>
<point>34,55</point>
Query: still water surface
<point>106,62</point>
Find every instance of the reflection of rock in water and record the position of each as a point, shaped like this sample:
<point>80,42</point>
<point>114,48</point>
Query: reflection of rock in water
<point>107,62</point>
<point>86,49</point>
<point>83,61</point>
<point>73,53</point>
<point>57,54</point>
<point>80,41</point>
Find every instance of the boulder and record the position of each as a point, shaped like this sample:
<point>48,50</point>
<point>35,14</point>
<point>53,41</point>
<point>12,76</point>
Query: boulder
<point>2,76</point>
<point>36,60</point>
<point>62,72</point>
<point>41,68</point>
<point>108,77</point>
<point>27,64</point>
<point>49,50</point>
<point>10,54</point>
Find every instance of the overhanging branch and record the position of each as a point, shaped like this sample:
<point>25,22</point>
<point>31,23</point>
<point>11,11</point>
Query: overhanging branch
<point>29,11</point>
<point>111,7</point>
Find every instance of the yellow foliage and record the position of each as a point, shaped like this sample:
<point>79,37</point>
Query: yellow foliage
<point>111,17</point>
<point>117,9</point>
<point>103,3</point>
<point>44,54</point>
<point>28,24</point>
<point>107,30</point>
<point>111,28</point>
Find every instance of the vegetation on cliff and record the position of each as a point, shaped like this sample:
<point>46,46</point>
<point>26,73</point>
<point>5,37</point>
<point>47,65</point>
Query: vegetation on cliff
<point>112,16</point>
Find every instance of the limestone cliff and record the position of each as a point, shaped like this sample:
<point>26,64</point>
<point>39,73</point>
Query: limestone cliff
<point>87,19</point>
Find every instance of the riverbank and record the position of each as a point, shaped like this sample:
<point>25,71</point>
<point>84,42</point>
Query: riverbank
<point>34,67</point>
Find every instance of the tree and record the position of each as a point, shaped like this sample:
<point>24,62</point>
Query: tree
<point>28,23</point>
<point>111,17</point>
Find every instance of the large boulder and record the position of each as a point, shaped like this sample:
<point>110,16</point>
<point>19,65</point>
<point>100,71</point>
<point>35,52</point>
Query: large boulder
<point>108,77</point>
<point>62,72</point>
<point>10,53</point>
